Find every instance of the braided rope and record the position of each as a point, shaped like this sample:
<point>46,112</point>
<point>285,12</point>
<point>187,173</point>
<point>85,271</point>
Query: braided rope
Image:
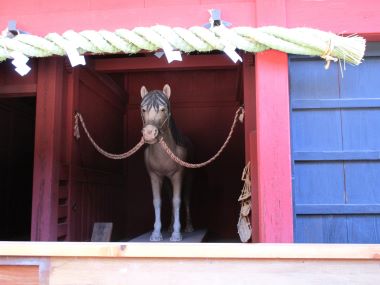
<point>303,41</point>
<point>78,118</point>
<point>199,165</point>
<point>97,147</point>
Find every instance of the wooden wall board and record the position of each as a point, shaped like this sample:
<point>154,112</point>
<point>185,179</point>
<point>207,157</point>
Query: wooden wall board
<point>47,149</point>
<point>176,263</point>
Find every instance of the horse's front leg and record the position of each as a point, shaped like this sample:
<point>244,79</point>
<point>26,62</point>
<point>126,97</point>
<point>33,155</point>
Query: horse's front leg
<point>156,189</point>
<point>177,183</point>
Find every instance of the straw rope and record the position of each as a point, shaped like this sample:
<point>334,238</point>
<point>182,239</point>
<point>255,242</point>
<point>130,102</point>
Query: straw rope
<point>78,118</point>
<point>302,41</point>
<point>202,164</point>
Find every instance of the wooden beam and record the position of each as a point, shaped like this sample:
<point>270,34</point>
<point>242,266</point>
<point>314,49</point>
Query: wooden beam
<point>115,14</point>
<point>165,263</point>
<point>17,275</point>
<point>275,210</point>
<point>18,90</point>
<point>153,63</point>
<point>249,100</point>
<point>47,150</point>
<point>189,250</point>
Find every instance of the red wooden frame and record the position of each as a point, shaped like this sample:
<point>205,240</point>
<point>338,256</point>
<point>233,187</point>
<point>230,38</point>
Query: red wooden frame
<point>46,151</point>
<point>274,192</point>
<point>269,132</point>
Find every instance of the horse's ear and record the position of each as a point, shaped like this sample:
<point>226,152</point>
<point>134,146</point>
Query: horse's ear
<point>143,91</point>
<point>167,91</point>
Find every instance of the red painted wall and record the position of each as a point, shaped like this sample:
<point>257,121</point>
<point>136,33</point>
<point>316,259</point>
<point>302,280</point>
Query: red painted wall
<point>271,84</point>
<point>96,186</point>
<point>44,16</point>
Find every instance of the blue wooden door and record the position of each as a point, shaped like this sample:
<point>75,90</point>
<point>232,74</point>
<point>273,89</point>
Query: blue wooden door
<point>336,150</point>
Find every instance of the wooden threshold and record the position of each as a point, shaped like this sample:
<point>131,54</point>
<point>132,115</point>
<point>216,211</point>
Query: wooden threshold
<point>189,250</point>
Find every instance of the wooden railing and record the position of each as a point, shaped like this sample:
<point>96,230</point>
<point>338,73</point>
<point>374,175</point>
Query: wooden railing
<point>176,263</point>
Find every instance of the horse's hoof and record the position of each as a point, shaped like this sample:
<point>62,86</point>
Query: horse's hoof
<point>156,237</point>
<point>176,237</point>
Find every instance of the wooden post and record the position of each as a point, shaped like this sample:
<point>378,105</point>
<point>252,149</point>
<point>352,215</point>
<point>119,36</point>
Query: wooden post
<point>274,193</point>
<point>46,152</point>
<point>249,101</point>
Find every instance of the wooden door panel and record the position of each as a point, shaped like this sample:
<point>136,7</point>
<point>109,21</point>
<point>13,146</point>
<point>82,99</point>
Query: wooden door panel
<point>316,131</point>
<point>336,151</point>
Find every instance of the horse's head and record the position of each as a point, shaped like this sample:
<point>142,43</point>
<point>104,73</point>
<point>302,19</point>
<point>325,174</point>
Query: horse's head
<point>155,113</point>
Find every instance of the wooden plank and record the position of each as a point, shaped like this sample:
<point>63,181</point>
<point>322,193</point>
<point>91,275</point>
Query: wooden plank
<point>62,230</point>
<point>335,209</point>
<point>149,63</point>
<point>336,103</point>
<point>81,271</point>
<point>273,129</point>
<point>190,250</point>
<point>321,182</point>
<point>71,102</point>
<point>62,211</point>
<point>106,91</point>
<point>362,179</point>
<point>249,101</point>
<point>19,275</point>
<point>254,188</point>
<point>336,155</point>
<point>126,14</point>
<point>331,19</point>
<point>47,151</point>
<point>18,90</point>
<point>363,228</point>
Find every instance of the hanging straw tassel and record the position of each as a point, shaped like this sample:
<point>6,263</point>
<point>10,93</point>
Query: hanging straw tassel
<point>244,224</point>
<point>76,127</point>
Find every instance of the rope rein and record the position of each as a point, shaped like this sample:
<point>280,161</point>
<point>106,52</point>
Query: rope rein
<point>78,118</point>
<point>199,165</point>
<point>97,147</point>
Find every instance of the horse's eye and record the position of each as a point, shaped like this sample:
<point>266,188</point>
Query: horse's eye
<point>143,110</point>
<point>163,110</point>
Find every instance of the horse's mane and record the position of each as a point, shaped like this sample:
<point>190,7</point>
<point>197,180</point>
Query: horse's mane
<point>179,138</point>
<point>155,99</point>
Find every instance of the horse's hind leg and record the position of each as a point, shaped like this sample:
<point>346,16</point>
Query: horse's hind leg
<point>156,189</point>
<point>176,182</point>
<point>187,187</point>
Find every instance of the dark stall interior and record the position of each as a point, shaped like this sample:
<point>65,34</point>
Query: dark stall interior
<point>93,188</point>
<point>203,105</point>
<point>17,124</point>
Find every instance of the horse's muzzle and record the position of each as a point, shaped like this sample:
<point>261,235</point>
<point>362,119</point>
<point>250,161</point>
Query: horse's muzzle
<point>150,134</point>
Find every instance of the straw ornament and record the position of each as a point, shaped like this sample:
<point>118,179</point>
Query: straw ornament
<point>302,41</point>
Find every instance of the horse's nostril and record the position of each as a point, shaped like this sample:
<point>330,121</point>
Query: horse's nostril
<point>150,132</point>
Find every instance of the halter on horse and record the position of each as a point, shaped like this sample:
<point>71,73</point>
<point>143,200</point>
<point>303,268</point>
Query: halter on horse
<point>158,123</point>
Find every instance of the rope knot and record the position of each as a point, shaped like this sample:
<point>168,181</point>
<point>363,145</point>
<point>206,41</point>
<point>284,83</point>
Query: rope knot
<point>327,54</point>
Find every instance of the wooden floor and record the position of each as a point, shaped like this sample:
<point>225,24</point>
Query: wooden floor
<point>187,263</point>
<point>193,237</point>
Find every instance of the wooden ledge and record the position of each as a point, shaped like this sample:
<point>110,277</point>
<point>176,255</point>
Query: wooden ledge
<point>192,250</point>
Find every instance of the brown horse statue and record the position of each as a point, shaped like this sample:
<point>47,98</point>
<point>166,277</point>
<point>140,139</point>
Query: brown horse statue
<point>158,123</point>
